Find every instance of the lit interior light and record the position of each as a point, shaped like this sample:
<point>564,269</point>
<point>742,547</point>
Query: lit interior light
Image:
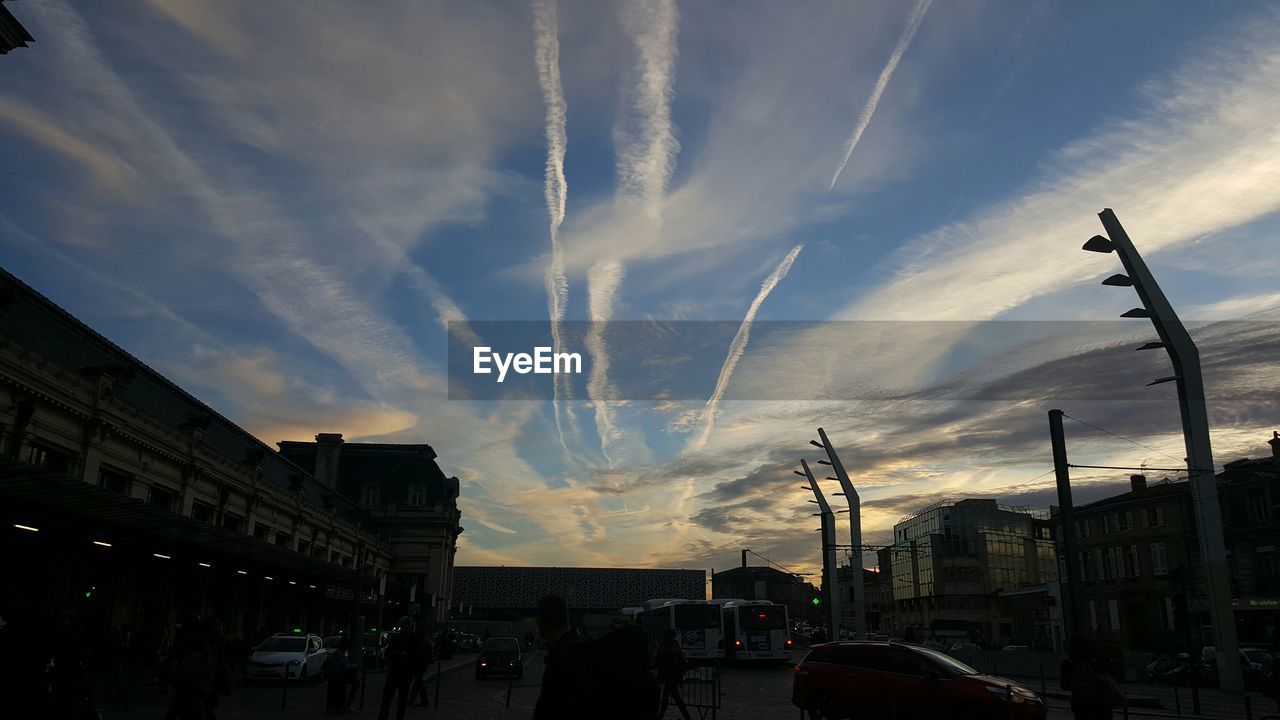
<point>28,528</point>
<point>162,557</point>
<point>242,572</point>
<point>101,544</point>
<point>204,565</point>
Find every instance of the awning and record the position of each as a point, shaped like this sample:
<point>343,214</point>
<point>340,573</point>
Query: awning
<point>56,495</point>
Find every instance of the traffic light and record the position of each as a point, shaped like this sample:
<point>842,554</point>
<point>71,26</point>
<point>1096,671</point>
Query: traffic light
<point>817,602</point>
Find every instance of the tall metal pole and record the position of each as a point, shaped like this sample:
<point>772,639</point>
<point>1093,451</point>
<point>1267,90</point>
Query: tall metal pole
<point>855,535</point>
<point>1185,357</point>
<point>1080,624</point>
<point>828,550</point>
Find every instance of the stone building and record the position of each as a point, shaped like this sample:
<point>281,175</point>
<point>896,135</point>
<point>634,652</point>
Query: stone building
<point>126,500</point>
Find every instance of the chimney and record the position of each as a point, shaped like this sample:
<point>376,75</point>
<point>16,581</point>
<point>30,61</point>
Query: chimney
<point>327,447</point>
<point>1138,482</point>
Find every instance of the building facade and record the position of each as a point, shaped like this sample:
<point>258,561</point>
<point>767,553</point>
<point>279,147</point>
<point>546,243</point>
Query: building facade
<point>950,562</point>
<point>1250,492</point>
<point>760,582</point>
<point>512,593</point>
<point>127,501</point>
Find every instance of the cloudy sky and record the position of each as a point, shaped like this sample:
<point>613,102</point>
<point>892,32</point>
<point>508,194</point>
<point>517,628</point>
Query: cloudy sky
<point>289,208</point>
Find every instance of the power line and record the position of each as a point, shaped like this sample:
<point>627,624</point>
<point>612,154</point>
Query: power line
<point>1117,435</point>
<point>1125,467</point>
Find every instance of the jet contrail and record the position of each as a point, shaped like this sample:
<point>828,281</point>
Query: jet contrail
<point>739,345</point>
<point>602,290</point>
<point>646,160</point>
<point>909,32</point>
<point>547,60</point>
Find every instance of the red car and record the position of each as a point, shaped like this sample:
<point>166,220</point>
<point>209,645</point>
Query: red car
<point>895,680</point>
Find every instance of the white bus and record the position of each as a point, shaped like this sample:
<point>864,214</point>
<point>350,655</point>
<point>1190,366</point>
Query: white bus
<point>697,624</point>
<point>756,630</point>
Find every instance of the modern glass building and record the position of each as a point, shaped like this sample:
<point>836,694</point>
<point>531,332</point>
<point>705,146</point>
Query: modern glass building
<point>951,561</point>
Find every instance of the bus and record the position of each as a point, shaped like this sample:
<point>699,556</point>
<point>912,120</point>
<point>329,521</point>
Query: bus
<point>697,624</point>
<point>756,630</point>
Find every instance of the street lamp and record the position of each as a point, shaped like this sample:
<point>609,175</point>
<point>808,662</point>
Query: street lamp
<point>855,530</point>
<point>828,530</point>
<point>1185,358</point>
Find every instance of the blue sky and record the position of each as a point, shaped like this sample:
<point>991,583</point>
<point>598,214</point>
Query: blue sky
<point>282,207</point>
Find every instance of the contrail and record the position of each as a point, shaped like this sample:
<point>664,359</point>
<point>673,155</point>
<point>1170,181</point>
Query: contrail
<point>646,161</point>
<point>739,345</point>
<point>602,290</point>
<point>909,32</point>
<point>547,60</point>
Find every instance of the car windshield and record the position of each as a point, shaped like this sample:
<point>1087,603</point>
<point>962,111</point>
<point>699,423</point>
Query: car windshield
<point>283,644</point>
<point>510,645</point>
<point>763,617</point>
<point>948,662</point>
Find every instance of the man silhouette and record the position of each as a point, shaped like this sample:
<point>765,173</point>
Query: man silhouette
<point>566,679</point>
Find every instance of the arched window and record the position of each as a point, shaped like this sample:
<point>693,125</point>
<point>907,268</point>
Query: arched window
<point>417,495</point>
<point>370,494</point>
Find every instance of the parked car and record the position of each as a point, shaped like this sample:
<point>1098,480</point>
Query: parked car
<point>374,643</point>
<point>1254,664</point>
<point>1017,648</point>
<point>286,656</point>
<point>965,647</point>
<point>874,679</point>
<point>500,656</point>
<point>468,642</point>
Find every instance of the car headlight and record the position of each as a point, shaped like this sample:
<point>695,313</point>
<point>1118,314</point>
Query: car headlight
<point>1013,693</point>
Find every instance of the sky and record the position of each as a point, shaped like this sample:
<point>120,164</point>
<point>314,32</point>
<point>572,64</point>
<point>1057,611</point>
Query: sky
<point>292,210</point>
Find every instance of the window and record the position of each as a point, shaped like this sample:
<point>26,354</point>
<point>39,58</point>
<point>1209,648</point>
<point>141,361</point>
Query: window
<point>202,511</point>
<point>1259,508</point>
<point>371,494</point>
<point>1099,566</point>
<point>49,457</point>
<point>1108,522</point>
<point>261,531</point>
<point>1084,566</point>
<point>304,547</point>
<point>1170,618</point>
<point>1153,517</point>
<point>1113,610</point>
<point>1268,566</point>
<point>1117,561</point>
<point>161,498</point>
<point>231,521</point>
<point>417,495</point>
<point>1126,521</point>
<point>283,540</point>
<point>113,480</point>
<point>1135,567</point>
<point>1159,561</point>
<point>1082,529</point>
<point>1093,614</point>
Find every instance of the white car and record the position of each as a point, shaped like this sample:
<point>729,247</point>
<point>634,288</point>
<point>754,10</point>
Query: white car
<point>285,656</point>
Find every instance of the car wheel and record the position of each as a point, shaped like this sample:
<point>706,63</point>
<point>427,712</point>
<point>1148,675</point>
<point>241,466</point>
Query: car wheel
<point>822,707</point>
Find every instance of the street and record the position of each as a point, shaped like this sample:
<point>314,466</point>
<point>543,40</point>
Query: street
<point>749,693</point>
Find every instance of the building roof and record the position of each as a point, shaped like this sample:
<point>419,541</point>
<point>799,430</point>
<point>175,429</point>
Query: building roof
<point>755,572</point>
<point>1163,489</point>
<point>36,323</point>
<point>12,34</point>
<point>385,462</point>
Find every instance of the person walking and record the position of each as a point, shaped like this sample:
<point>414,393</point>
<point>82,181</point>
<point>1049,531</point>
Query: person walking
<point>671,666</point>
<point>623,682</point>
<point>566,678</point>
<point>401,660</point>
<point>343,677</point>
<point>424,656</point>
<point>186,672</point>
<point>1093,691</point>
<point>217,666</point>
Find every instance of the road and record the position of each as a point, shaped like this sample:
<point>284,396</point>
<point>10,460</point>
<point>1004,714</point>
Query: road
<point>749,693</point>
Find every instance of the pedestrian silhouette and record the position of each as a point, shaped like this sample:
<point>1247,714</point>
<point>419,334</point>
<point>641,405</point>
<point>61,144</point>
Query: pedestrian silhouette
<point>1084,675</point>
<point>423,655</point>
<point>566,678</point>
<point>343,677</point>
<point>401,659</point>
<point>625,686</point>
<point>186,672</point>
<point>671,666</point>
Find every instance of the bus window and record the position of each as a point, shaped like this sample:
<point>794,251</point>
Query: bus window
<point>763,617</point>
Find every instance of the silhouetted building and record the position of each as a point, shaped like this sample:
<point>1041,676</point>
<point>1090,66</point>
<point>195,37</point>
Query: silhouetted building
<point>1250,493</point>
<point>1138,556</point>
<point>512,593</point>
<point>877,594</point>
<point>125,500</point>
<point>951,561</point>
<point>760,582</point>
<point>12,34</point>
<point>407,500</point>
